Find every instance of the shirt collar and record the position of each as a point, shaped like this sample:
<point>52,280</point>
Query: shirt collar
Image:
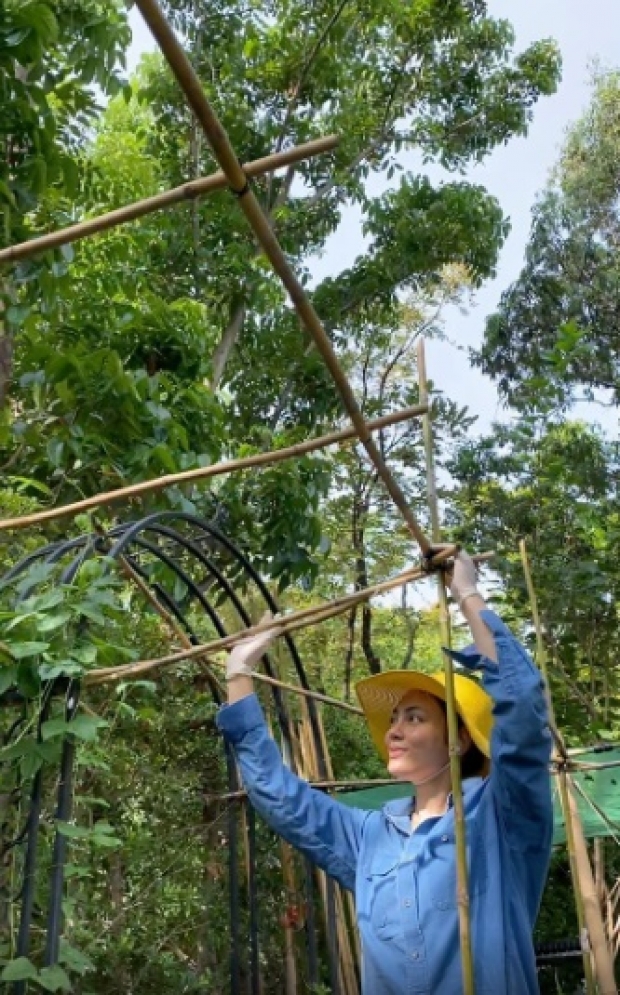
<point>399,807</point>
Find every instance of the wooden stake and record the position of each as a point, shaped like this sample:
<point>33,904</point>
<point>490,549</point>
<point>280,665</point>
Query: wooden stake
<point>467,965</point>
<point>202,473</point>
<point>186,192</point>
<point>589,916</point>
<point>260,224</point>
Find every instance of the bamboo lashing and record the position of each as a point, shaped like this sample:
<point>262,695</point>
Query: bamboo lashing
<point>185,193</point>
<point>259,222</point>
<point>591,926</point>
<point>462,897</point>
<point>203,473</point>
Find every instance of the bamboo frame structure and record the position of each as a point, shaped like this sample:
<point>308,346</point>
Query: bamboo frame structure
<point>203,473</point>
<point>260,224</point>
<point>185,193</point>
<point>462,897</point>
<point>592,931</point>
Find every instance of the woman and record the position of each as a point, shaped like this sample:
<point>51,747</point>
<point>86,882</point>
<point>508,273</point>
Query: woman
<point>400,862</point>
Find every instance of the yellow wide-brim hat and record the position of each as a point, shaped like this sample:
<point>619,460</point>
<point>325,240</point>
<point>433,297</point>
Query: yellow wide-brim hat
<point>379,696</point>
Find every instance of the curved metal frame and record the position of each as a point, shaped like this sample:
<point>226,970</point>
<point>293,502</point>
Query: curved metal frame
<point>164,538</point>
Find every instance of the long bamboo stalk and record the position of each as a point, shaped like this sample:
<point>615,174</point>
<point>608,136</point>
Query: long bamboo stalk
<point>186,192</point>
<point>203,473</point>
<point>601,954</point>
<point>258,220</point>
<point>349,944</point>
<point>289,623</point>
<point>575,841</point>
<point>346,970</point>
<point>467,964</point>
<point>233,796</point>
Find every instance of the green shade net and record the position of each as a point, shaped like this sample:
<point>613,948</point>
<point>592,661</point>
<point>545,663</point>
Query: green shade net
<point>600,815</point>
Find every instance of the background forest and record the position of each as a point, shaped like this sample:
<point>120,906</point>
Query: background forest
<point>168,344</point>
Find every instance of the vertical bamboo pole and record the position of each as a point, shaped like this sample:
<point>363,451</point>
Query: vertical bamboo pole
<point>287,864</point>
<point>462,897</point>
<point>346,967</point>
<point>352,949</point>
<point>589,917</point>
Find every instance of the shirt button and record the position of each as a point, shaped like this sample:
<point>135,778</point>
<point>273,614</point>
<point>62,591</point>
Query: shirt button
<point>444,839</point>
<point>407,903</point>
<point>415,955</point>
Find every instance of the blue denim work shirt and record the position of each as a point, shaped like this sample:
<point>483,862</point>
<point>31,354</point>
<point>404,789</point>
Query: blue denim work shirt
<point>405,882</point>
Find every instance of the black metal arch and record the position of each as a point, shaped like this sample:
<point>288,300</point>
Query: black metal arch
<point>207,564</point>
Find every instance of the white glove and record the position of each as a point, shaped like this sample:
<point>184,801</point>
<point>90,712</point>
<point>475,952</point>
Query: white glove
<point>464,580</point>
<point>248,652</point>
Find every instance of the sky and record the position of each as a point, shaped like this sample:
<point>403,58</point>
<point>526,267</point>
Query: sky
<point>515,174</point>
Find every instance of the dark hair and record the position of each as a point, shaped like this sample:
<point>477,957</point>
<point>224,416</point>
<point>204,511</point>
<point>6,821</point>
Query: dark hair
<point>473,760</point>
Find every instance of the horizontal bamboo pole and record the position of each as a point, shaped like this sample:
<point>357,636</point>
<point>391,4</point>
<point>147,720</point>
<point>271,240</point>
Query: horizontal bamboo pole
<point>202,473</point>
<point>260,224</point>
<point>287,624</point>
<point>186,192</point>
<point>233,796</point>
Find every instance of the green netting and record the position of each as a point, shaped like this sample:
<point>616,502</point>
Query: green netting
<point>601,786</point>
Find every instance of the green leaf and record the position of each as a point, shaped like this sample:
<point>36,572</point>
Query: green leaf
<point>85,727</point>
<point>73,958</point>
<point>50,622</point>
<point>8,676</point>
<point>73,832</point>
<point>19,969</point>
<point>54,979</point>
<point>22,651</point>
<point>24,747</point>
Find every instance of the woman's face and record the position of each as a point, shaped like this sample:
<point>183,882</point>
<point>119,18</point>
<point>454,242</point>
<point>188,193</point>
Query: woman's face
<point>417,740</point>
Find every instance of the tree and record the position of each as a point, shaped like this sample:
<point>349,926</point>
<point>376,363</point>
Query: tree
<point>52,54</point>
<point>557,486</point>
<point>554,338</point>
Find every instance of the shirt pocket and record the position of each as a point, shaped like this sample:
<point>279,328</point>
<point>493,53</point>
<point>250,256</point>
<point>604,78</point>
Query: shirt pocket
<point>442,856</point>
<point>381,898</point>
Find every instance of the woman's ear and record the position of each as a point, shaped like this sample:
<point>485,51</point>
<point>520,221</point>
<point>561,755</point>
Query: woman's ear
<point>465,740</point>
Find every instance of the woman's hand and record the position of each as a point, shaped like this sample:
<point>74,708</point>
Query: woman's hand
<point>249,651</point>
<point>462,579</point>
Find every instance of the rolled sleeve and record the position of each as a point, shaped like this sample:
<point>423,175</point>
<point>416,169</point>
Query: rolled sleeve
<point>325,831</point>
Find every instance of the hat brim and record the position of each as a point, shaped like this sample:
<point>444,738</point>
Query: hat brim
<point>379,695</point>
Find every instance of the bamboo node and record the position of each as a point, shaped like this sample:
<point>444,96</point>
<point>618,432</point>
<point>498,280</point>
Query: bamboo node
<point>244,189</point>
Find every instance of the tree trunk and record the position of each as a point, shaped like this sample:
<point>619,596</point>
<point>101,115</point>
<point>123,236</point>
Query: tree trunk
<point>360,510</point>
<point>348,660</point>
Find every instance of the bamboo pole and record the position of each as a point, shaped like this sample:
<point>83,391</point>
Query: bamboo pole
<point>589,918</point>
<point>467,964</point>
<point>203,473</point>
<point>289,623</point>
<point>350,950</point>
<point>346,969</point>
<point>259,222</point>
<point>186,192</point>
<point>235,796</point>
